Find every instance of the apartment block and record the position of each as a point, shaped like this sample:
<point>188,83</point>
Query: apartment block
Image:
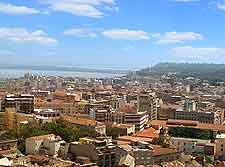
<point>23,103</point>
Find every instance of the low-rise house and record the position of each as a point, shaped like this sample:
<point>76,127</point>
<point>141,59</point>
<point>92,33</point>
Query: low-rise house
<point>146,154</point>
<point>8,144</point>
<point>46,144</point>
<point>86,123</point>
<point>124,129</point>
<point>161,154</point>
<point>189,146</point>
<point>99,151</point>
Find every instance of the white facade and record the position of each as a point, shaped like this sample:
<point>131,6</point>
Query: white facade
<point>46,144</point>
<point>189,146</point>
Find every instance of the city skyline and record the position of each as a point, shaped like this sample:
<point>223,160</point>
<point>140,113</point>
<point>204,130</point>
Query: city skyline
<point>111,33</point>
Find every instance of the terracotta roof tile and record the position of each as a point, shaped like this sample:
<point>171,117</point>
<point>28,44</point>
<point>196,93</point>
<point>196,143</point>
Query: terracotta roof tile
<point>148,133</point>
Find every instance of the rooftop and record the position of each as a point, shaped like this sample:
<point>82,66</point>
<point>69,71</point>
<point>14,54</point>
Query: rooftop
<point>187,123</point>
<point>81,121</point>
<point>158,150</point>
<point>128,139</point>
<point>49,136</point>
<point>148,133</point>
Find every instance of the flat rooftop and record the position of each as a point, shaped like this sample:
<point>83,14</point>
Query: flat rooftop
<point>187,123</point>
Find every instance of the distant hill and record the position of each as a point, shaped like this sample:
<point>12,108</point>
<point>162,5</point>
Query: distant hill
<point>211,72</point>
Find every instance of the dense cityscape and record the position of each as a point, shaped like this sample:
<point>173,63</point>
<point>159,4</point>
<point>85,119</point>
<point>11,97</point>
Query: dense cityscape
<point>128,121</point>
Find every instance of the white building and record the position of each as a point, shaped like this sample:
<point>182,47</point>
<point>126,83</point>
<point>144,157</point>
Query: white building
<point>46,144</point>
<point>189,146</point>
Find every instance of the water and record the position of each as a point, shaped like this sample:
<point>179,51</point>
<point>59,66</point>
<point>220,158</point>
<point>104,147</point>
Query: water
<point>15,73</point>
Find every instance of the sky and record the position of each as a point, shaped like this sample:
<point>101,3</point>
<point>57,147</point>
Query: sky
<point>125,34</point>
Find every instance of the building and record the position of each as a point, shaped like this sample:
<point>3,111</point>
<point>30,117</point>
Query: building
<point>220,147</point>
<point>146,154</point>
<point>101,115</point>
<point>149,103</point>
<point>128,116</point>
<point>23,103</point>
<point>189,146</point>
<point>190,105</point>
<point>201,116</point>
<point>8,144</point>
<point>46,145</point>
<point>87,123</point>
<point>195,125</point>
<point>10,118</point>
<point>139,119</point>
<point>49,113</point>
<point>150,133</point>
<point>99,151</point>
<point>124,129</point>
<point>66,108</point>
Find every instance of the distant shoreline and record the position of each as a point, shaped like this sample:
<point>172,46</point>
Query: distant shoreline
<point>13,73</point>
<point>63,69</point>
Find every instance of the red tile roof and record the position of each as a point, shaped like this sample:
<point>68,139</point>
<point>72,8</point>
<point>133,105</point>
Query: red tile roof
<point>187,123</point>
<point>148,133</point>
<point>128,139</point>
<point>158,150</point>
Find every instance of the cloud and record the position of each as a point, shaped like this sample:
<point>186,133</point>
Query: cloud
<point>80,32</point>
<point>88,8</point>
<point>21,35</point>
<point>176,37</point>
<point>194,52</point>
<point>126,34</point>
<point>221,6</point>
<point>16,10</point>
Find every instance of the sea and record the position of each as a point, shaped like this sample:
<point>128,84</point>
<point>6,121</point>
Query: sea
<point>16,73</point>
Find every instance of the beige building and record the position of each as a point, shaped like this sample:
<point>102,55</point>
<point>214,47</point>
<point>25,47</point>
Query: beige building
<point>189,146</point>
<point>150,103</point>
<point>86,123</point>
<point>23,103</point>
<point>67,108</point>
<point>10,118</point>
<point>220,147</point>
<point>125,129</point>
<point>139,119</point>
<point>101,152</point>
<point>201,116</point>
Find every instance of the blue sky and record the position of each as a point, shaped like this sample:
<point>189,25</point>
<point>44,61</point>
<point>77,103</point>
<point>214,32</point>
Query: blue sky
<point>111,33</point>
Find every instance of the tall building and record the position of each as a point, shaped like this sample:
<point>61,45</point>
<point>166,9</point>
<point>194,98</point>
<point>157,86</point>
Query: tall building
<point>149,103</point>
<point>22,103</point>
<point>190,105</point>
<point>139,119</point>
<point>10,118</point>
